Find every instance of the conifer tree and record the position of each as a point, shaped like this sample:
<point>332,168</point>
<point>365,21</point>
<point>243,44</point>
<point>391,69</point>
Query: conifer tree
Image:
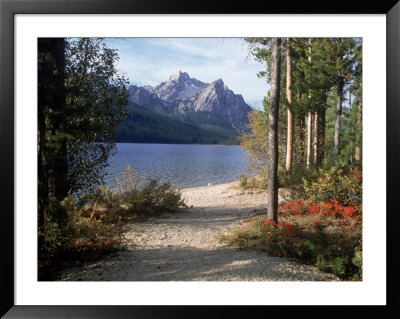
<point>357,88</point>
<point>52,166</point>
<point>343,66</point>
<point>81,98</point>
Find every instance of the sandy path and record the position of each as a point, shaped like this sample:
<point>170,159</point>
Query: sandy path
<point>184,247</point>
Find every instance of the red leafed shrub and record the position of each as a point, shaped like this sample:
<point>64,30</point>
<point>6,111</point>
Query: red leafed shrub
<point>356,173</point>
<point>348,211</point>
<point>326,208</point>
<point>314,209</point>
<point>327,235</point>
<point>97,214</point>
<point>294,207</point>
<point>332,208</point>
<point>292,230</point>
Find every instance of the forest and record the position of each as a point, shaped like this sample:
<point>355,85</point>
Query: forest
<point>308,141</point>
<point>320,102</point>
<point>145,126</point>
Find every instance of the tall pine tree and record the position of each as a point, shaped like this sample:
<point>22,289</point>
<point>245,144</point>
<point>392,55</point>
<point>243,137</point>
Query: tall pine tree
<point>81,98</point>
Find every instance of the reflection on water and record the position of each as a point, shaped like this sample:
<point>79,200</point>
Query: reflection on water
<point>184,165</point>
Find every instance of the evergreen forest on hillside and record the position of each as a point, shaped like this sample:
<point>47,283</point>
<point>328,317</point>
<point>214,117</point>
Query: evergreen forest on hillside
<point>145,126</point>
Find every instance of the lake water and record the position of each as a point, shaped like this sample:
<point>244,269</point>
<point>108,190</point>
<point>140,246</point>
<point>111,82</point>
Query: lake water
<point>184,165</point>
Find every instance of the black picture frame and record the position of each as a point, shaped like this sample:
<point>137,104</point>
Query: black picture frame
<point>8,8</point>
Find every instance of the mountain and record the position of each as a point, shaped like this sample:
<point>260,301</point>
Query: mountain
<point>195,101</point>
<point>145,97</point>
<point>220,102</point>
<point>179,86</point>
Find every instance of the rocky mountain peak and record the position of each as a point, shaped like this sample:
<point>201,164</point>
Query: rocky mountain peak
<point>218,82</point>
<point>179,86</point>
<point>212,103</point>
<point>180,76</point>
<point>219,85</point>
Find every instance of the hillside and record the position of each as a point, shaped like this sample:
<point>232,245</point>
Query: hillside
<point>146,126</point>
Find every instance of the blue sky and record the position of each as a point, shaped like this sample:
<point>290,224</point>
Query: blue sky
<point>150,61</point>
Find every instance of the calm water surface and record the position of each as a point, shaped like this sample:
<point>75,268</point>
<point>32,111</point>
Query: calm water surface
<point>184,165</point>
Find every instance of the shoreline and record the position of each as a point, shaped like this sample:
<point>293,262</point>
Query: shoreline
<point>229,184</point>
<point>158,143</point>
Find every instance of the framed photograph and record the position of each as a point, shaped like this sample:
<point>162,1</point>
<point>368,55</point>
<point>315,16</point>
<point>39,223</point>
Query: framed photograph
<point>179,24</point>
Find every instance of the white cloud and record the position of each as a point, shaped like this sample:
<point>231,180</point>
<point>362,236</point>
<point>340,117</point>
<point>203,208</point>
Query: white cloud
<point>153,60</point>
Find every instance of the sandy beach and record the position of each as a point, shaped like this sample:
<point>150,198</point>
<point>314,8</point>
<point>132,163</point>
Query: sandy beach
<point>185,246</point>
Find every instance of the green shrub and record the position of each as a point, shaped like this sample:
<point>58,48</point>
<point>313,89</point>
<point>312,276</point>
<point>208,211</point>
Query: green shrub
<point>318,245</point>
<point>102,203</point>
<point>243,181</point>
<point>357,262</point>
<point>297,174</point>
<point>88,238</point>
<point>254,182</point>
<point>357,259</point>
<point>263,180</point>
<point>137,197</point>
<point>77,237</point>
<point>335,185</point>
<point>152,199</point>
<point>50,237</point>
<point>145,197</point>
<point>55,224</point>
<point>338,265</point>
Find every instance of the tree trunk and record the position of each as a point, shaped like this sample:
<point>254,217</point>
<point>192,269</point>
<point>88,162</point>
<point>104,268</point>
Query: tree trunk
<point>357,155</point>
<point>60,169</point>
<point>316,136</point>
<point>321,138</point>
<point>272,213</point>
<point>302,138</point>
<point>43,183</point>
<point>336,145</point>
<point>351,129</point>
<point>43,191</point>
<point>290,130</point>
<point>309,119</point>
<point>309,137</point>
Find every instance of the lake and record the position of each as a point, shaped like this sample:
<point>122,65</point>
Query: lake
<point>184,165</point>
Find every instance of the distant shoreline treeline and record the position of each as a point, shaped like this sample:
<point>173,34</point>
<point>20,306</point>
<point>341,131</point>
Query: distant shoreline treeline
<point>145,126</point>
